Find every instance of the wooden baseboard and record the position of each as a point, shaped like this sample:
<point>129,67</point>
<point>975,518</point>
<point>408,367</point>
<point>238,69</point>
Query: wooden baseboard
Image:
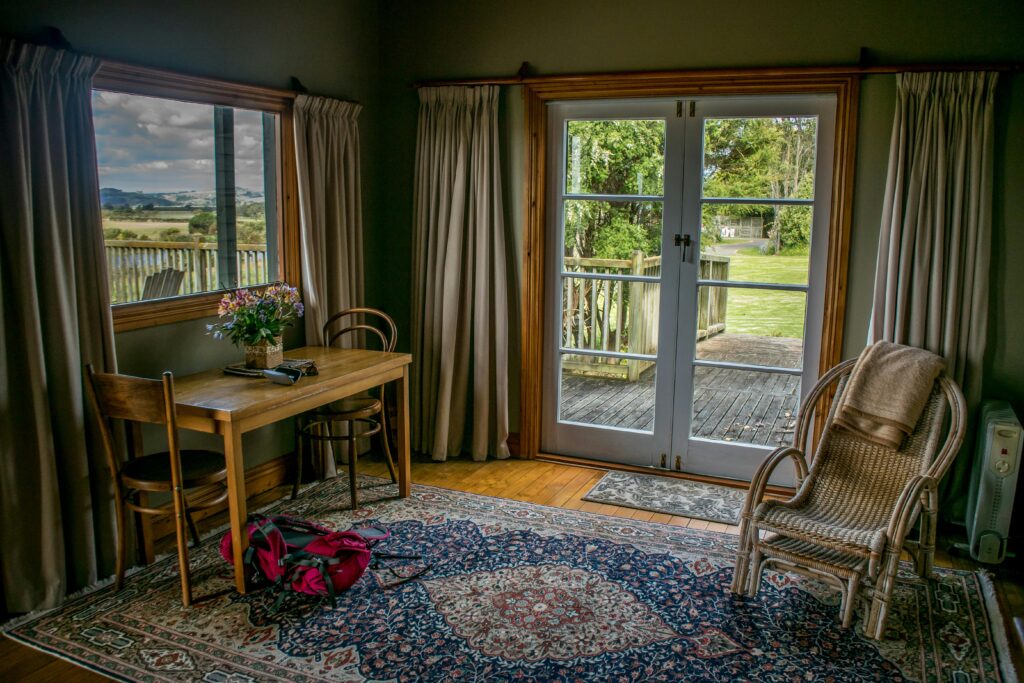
<point>258,480</point>
<point>602,465</point>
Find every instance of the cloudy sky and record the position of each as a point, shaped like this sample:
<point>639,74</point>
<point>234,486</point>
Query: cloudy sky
<point>147,144</point>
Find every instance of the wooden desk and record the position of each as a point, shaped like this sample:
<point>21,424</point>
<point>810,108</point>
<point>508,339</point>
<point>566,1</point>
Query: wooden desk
<point>229,405</point>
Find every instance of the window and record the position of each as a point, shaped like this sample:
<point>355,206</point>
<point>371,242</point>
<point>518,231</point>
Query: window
<point>195,182</point>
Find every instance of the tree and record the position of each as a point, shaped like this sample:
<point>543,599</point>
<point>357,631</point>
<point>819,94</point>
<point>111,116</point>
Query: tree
<point>614,158</point>
<point>762,157</point>
<point>203,223</point>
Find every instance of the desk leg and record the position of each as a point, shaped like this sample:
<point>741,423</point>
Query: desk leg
<point>236,499</point>
<point>404,474</point>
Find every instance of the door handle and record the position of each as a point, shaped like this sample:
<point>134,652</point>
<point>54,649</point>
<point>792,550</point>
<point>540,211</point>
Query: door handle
<point>684,241</point>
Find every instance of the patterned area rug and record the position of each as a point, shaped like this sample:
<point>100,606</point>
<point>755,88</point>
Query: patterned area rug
<point>518,592</point>
<point>669,495</point>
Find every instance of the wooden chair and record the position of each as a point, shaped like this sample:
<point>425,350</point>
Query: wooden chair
<point>370,411</point>
<point>135,401</point>
<point>163,284</point>
<point>848,522</point>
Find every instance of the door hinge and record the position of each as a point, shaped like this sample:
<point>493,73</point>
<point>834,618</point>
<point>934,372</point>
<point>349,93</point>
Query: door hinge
<point>679,463</point>
<point>679,109</point>
<point>664,461</point>
<point>693,108</point>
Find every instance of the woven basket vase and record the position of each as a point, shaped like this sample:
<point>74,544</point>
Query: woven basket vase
<point>264,354</point>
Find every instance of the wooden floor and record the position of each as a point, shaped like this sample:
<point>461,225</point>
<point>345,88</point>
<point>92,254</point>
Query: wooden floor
<point>530,481</point>
<point>728,405</point>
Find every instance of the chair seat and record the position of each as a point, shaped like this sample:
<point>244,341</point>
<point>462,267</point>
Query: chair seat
<point>802,524</point>
<point>813,555</point>
<point>352,408</point>
<point>153,472</point>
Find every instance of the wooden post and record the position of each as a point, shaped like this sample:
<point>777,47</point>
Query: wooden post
<point>723,297</point>
<point>224,176</point>
<point>636,295</point>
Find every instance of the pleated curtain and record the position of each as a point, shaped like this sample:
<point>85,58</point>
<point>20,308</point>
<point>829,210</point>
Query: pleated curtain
<point>460,316</point>
<point>56,499</point>
<point>932,277</point>
<point>331,217</point>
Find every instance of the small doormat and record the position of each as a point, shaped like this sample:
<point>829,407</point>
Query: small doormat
<point>669,495</point>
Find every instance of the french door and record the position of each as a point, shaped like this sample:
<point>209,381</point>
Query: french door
<point>687,247</point>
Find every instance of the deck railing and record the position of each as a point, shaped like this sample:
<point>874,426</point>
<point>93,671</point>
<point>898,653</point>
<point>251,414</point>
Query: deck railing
<point>130,262</point>
<point>617,315</point>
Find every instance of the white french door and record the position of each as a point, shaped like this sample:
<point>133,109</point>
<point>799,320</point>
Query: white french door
<point>687,247</point>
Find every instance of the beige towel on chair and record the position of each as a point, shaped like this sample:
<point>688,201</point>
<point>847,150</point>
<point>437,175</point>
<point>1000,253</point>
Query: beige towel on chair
<point>888,388</point>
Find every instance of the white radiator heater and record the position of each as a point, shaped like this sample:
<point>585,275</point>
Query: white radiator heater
<point>993,481</point>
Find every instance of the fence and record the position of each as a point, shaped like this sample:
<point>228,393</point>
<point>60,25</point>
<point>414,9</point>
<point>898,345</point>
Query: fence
<point>130,262</point>
<point>613,315</point>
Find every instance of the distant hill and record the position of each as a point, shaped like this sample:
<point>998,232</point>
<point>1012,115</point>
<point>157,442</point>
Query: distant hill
<point>111,196</point>
<point>114,197</point>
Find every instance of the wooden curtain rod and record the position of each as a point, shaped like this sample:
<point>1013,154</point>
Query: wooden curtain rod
<point>727,73</point>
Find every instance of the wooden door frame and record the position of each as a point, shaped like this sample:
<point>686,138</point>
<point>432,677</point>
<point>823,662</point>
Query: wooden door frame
<point>536,95</point>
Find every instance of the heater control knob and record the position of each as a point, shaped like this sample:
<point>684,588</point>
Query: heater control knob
<point>1002,466</point>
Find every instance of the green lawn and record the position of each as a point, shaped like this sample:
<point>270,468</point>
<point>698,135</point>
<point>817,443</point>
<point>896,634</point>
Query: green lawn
<point>765,313</point>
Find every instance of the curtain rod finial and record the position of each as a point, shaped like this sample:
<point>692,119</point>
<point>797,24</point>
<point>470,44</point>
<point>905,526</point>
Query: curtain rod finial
<point>865,57</point>
<point>524,70</point>
<point>297,86</point>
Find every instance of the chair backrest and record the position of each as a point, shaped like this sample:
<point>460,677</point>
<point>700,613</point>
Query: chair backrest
<point>163,284</point>
<point>133,400</point>
<point>349,321</point>
<point>855,467</point>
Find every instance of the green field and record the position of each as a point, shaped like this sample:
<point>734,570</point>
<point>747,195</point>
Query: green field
<point>146,229</point>
<point>764,313</point>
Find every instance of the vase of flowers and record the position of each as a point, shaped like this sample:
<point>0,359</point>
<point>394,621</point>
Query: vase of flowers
<point>256,321</point>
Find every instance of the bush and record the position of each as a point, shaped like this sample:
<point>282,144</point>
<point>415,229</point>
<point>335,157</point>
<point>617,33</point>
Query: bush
<point>203,223</point>
<point>252,232</point>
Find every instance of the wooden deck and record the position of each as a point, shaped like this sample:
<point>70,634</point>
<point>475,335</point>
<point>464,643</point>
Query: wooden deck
<point>729,405</point>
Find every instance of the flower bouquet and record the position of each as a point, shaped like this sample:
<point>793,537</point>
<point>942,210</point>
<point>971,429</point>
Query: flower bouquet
<point>256,321</point>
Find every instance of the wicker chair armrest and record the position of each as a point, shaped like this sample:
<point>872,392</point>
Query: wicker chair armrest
<point>809,403</point>
<point>919,486</point>
<point>755,494</point>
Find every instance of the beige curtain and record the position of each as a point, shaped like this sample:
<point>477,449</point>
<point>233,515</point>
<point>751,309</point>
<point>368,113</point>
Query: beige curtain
<point>931,282</point>
<point>327,151</point>
<point>460,296</point>
<point>56,500</point>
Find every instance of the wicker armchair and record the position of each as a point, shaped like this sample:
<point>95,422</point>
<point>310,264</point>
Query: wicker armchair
<point>848,522</point>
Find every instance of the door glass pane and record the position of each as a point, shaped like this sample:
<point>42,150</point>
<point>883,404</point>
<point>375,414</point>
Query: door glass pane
<point>751,326</point>
<point>760,157</point>
<point>610,315</point>
<point>755,243</point>
<point>615,157</point>
<point>744,406</point>
<point>607,391</point>
<point>619,237</point>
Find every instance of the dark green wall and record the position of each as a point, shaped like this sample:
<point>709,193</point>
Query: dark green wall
<point>462,38</point>
<point>373,51</point>
<point>330,45</point>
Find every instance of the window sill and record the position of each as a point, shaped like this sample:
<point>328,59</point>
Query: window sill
<point>141,314</point>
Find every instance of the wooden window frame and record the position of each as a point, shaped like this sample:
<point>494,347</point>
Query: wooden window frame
<point>537,93</point>
<point>137,80</point>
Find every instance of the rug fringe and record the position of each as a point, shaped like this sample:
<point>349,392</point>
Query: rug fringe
<point>998,623</point>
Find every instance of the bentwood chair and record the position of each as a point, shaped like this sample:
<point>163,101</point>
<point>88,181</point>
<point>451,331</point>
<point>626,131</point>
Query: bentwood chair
<point>849,520</point>
<point>137,401</point>
<point>361,416</point>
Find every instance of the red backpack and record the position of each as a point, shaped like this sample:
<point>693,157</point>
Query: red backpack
<point>296,555</point>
